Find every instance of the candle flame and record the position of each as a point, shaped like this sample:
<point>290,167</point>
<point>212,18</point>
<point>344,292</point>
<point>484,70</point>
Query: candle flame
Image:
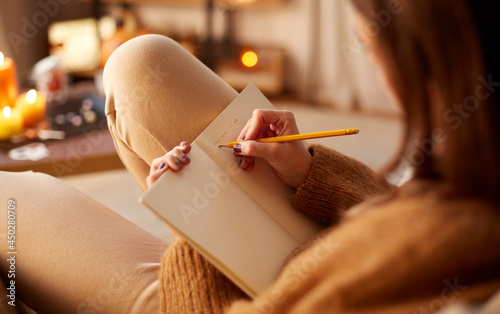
<point>6,112</point>
<point>249,59</point>
<point>31,96</point>
<point>1,58</point>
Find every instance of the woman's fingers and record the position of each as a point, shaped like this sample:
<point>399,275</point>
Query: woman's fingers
<point>268,123</point>
<point>186,147</point>
<point>175,160</point>
<point>243,132</point>
<point>180,154</point>
<point>174,163</point>
<point>280,122</point>
<point>247,163</point>
<point>290,161</point>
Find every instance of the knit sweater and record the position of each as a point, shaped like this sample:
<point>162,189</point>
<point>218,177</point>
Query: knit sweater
<point>413,250</point>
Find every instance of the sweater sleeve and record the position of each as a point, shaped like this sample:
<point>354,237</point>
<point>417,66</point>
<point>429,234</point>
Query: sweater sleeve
<point>190,284</point>
<point>408,255</point>
<point>334,184</point>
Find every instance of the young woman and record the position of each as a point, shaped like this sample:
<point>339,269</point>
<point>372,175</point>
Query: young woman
<point>424,246</point>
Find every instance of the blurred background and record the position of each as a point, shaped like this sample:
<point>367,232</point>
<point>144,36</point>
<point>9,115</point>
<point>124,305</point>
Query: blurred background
<point>303,54</point>
<point>307,48</point>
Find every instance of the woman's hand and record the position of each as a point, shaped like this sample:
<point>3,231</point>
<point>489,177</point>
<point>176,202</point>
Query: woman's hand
<point>291,161</point>
<point>175,160</point>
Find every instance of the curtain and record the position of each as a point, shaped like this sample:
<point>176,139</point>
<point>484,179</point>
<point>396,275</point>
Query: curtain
<point>346,77</point>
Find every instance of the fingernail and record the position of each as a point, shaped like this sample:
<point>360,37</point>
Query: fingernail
<point>243,138</point>
<point>178,163</point>
<point>185,158</point>
<point>185,143</point>
<point>237,148</point>
<point>162,165</point>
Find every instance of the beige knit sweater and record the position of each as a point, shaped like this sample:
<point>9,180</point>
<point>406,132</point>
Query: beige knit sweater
<point>413,252</point>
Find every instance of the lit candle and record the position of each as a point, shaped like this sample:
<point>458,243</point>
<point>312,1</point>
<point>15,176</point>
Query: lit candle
<point>8,83</point>
<point>11,123</point>
<point>32,106</point>
<point>249,59</point>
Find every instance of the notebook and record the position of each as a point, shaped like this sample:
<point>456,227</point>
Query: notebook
<point>242,222</point>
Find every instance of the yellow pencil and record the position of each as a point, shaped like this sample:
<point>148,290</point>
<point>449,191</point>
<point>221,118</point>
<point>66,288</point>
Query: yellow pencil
<point>298,137</point>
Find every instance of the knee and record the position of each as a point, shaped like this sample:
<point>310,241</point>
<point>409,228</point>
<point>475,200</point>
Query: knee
<point>136,54</point>
<point>145,67</point>
<point>143,64</point>
<point>153,72</point>
<point>157,93</point>
<point>129,76</point>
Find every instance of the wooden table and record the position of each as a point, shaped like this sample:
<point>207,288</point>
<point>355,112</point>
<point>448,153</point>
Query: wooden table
<point>85,149</point>
<point>87,152</point>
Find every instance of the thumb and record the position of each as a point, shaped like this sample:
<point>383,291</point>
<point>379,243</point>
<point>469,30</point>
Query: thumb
<point>151,179</point>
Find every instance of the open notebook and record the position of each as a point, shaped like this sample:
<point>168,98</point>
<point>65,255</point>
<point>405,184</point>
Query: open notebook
<point>242,222</point>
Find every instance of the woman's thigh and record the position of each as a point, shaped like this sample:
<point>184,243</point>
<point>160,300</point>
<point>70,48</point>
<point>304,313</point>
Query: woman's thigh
<point>72,254</point>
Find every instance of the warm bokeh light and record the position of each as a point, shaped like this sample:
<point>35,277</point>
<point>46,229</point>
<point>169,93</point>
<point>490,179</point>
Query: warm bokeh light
<point>249,59</point>
<point>236,3</point>
<point>6,112</point>
<point>31,96</point>
<point>1,58</point>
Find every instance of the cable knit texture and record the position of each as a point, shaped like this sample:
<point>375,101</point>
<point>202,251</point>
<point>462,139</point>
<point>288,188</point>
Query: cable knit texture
<point>415,253</point>
<point>192,285</point>
<point>335,183</point>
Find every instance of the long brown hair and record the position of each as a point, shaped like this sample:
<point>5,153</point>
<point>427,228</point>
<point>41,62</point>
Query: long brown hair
<point>451,46</point>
